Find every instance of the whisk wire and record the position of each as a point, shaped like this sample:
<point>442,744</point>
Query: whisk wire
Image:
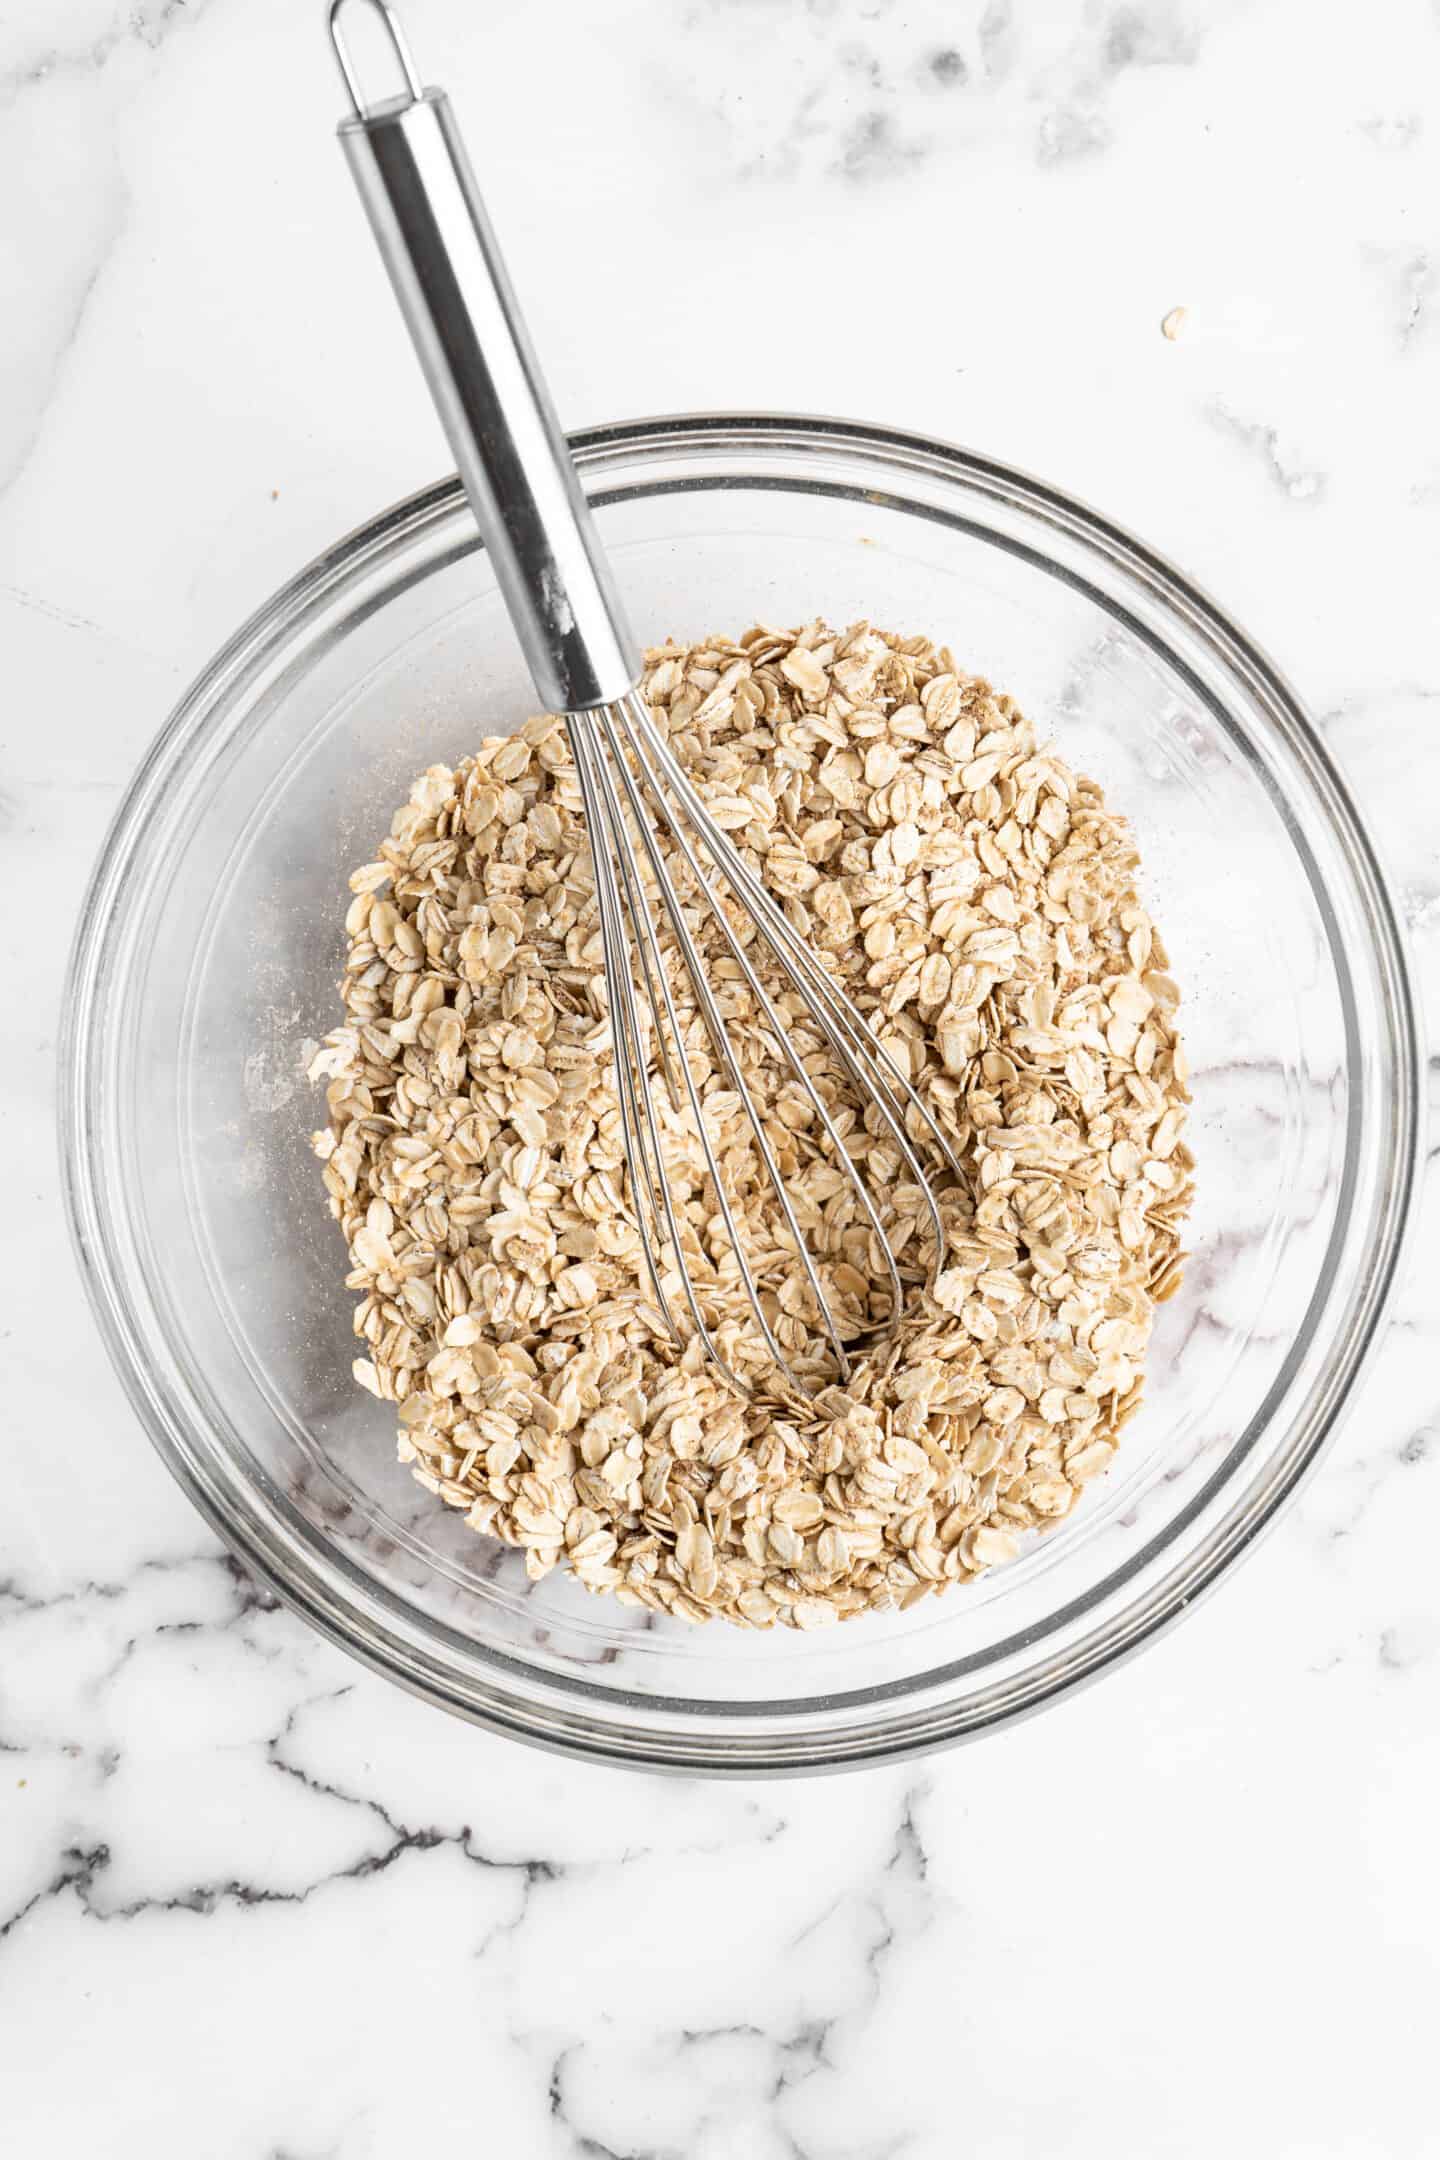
<point>783,1039</point>
<point>715,1026</point>
<point>844,1027</point>
<point>619,742</point>
<point>647,1180</point>
<point>622,890</point>
<point>633,790</point>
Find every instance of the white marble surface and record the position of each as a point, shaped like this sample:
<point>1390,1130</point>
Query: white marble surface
<point>255,1904</point>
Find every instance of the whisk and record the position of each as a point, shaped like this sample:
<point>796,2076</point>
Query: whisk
<point>415,181</point>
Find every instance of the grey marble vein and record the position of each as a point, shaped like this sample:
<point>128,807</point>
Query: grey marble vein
<point>1301,483</point>
<point>147,23</point>
<point>64,325</point>
<point>81,1868</point>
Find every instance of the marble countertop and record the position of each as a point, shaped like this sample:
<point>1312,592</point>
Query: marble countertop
<point>241,1882</point>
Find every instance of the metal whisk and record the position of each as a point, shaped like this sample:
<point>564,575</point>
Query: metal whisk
<point>415,181</point>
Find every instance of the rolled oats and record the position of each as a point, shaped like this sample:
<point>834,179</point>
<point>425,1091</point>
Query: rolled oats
<point>977,900</point>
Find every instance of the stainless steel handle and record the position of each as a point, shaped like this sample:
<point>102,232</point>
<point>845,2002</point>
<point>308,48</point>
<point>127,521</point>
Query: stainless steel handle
<point>420,195</point>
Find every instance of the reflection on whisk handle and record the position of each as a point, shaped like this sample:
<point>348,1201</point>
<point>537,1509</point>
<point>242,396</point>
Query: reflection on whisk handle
<point>420,195</point>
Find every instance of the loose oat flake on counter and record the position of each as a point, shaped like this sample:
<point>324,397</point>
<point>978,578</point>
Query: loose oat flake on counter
<point>978,901</point>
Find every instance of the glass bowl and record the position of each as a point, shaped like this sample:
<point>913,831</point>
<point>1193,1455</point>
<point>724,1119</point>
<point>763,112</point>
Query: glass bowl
<point>206,966</point>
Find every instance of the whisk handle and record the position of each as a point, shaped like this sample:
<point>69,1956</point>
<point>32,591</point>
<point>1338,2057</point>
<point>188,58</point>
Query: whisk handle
<point>419,193</point>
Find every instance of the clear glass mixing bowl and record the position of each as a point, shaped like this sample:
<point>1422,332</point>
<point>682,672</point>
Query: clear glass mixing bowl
<point>207,960</point>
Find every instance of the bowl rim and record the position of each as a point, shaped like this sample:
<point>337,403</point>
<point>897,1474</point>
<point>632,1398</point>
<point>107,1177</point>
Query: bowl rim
<point>586,1730</point>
